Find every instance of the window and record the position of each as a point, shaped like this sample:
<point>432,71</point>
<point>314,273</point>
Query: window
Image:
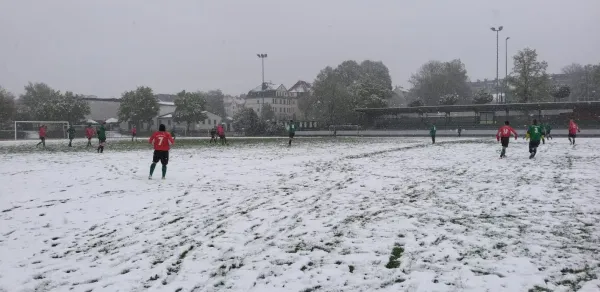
<point>169,122</point>
<point>273,100</point>
<point>204,122</point>
<point>214,122</point>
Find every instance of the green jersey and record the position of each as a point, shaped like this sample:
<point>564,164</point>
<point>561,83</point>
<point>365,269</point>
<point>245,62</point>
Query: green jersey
<point>101,133</point>
<point>432,131</point>
<point>292,129</point>
<point>535,132</point>
<point>71,132</point>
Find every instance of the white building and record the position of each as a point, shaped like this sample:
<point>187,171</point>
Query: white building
<point>233,104</point>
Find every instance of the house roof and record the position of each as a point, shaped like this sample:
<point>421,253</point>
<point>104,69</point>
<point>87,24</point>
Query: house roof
<point>101,99</point>
<point>301,86</point>
<point>270,86</point>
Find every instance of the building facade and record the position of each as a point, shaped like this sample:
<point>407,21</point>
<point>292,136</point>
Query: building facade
<point>233,104</point>
<point>284,102</point>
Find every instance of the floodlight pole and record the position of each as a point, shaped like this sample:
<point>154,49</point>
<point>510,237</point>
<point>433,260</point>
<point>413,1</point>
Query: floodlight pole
<point>262,59</point>
<point>506,68</point>
<point>497,30</point>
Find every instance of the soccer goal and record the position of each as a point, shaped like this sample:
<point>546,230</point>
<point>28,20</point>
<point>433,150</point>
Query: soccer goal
<point>30,129</point>
<point>346,130</point>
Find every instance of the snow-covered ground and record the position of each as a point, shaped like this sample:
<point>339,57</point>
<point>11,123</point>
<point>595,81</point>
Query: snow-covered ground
<point>320,216</point>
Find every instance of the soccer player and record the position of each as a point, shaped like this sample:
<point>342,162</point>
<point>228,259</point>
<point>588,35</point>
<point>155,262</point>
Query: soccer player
<point>534,133</point>
<point>548,129</point>
<point>213,135</point>
<point>291,132</point>
<point>101,137</point>
<point>221,134</point>
<point>162,141</point>
<point>71,132</point>
<point>133,133</point>
<point>503,135</point>
<point>432,132</point>
<point>459,131</point>
<point>573,130</point>
<point>42,133</point>
<point>89,133</point>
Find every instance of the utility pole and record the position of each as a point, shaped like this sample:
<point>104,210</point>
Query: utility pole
<point>497,30</point>
<point>262,85</point>
<point>506,69</point>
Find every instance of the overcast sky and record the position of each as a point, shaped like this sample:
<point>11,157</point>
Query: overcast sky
<point>105,47</point>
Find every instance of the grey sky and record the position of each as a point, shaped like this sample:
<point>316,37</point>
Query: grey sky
<point>110,46</point>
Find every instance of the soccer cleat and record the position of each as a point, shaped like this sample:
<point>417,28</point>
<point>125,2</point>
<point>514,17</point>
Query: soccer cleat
<point>163,178</point>
<point>149,177</point>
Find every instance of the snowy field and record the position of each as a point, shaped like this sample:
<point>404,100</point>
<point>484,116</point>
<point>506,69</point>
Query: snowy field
<point>352,215</point>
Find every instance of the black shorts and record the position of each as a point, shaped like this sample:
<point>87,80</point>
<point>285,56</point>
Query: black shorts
<point>163,156</point>
<point>572,135</point>
<point>534,144</point>
<point>102,140</point>
<point>212,136</point>
<point>504,141</point>
<point>222,137</point>
<point>42,138</point>
<point>292,135</point>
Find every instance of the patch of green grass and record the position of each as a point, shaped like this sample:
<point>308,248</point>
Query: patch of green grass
<point>121,144</point>
<point>537,288</point>
<point>312,289</point>
<point>394,262</point>
<point>385,284</point>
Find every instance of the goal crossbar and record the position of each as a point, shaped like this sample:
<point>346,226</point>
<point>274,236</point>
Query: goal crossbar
<point>38,122</point>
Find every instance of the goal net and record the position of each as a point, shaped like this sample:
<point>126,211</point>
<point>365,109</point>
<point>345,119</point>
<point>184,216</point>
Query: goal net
<point>29,130</point>
<point>345,130</point>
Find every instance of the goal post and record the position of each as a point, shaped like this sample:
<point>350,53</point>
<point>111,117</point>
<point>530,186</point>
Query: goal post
<point>352,129</point>
<point>33,126</point>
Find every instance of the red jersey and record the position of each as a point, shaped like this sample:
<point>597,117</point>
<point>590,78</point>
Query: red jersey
<point>42,132</point>
<point>220,130</point>
<point>89,132</point>
<point>505,132</point>
<point>162,141</point>
<point>573,128</point>
<point>134,131</point>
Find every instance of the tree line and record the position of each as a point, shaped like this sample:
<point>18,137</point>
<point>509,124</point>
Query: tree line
<point>40,102</point>
<point>336,93</point>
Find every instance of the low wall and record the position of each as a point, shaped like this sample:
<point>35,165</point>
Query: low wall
<point>440,133</point>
